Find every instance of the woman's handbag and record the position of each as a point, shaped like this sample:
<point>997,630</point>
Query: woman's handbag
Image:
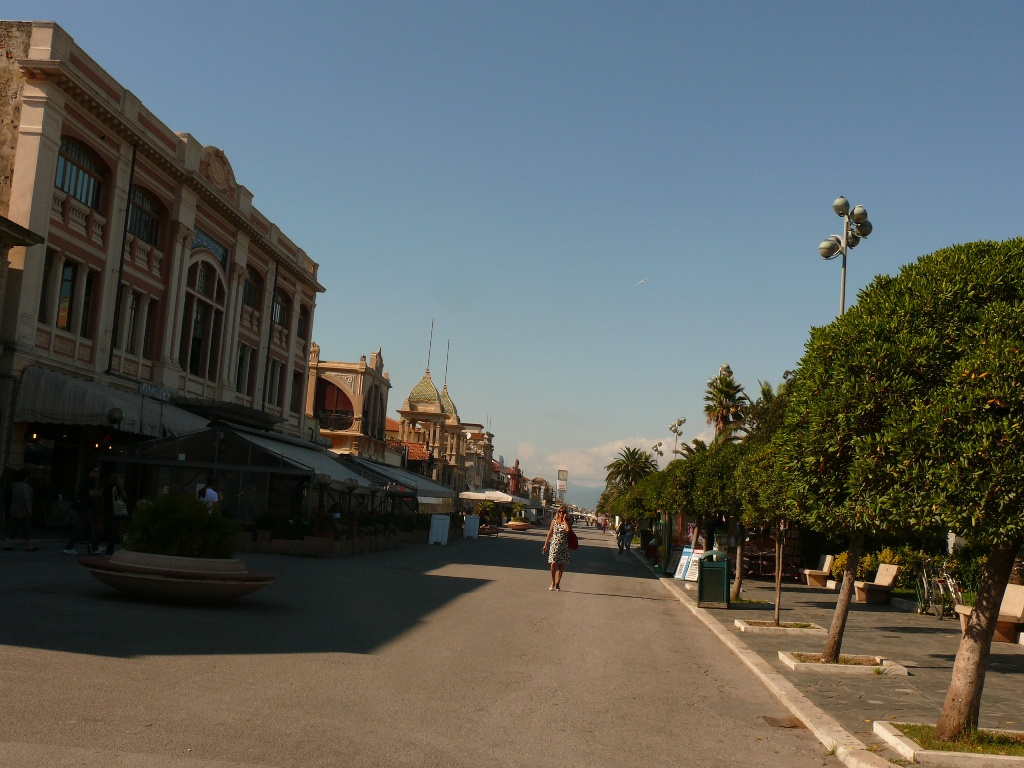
<point>574,542</point>
<point>120,508</point>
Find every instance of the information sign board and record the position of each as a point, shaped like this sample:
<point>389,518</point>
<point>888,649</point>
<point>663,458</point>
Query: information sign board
<point>471,528</point>
<point>438,529</point>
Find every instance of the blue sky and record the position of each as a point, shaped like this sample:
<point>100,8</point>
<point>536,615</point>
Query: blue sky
<point>513,170</point>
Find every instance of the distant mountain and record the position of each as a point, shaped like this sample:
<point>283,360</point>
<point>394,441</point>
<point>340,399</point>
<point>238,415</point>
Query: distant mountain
<point>583,496</point>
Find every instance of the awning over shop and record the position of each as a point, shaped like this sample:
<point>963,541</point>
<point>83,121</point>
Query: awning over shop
<point>317,459</point>
<point>427,491</point>
<point>498,497</point>
<point>53,398</point>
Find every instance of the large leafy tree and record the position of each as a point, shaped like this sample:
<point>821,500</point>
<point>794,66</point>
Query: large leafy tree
<point>910,414</point>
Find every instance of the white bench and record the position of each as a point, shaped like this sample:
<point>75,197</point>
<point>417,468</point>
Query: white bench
<point>878,591</point>
<point>818,577</point>
<point>1011,615</point>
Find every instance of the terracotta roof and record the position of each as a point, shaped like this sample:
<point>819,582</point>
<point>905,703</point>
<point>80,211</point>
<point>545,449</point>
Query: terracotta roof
<point>417,451</point>
<point>391,425</point>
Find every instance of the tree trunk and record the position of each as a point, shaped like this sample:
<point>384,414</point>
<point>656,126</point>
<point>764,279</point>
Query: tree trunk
<point>835,633</point>
<point>779,545</point>
<point>741,537</point>
<point>963,700</point>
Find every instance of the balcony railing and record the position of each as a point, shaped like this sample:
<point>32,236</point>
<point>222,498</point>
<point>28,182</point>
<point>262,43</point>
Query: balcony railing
<point>335,422</point>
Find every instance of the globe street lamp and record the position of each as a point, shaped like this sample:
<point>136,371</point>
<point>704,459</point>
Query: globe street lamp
<point>855,228</point>
<point>676,428</point>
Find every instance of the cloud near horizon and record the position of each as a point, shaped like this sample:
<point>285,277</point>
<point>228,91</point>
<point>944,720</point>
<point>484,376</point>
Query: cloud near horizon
<point>586,466</point>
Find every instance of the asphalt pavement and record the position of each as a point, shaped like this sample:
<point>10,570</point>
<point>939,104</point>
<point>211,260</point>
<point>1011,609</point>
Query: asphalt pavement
<point>420,656</point>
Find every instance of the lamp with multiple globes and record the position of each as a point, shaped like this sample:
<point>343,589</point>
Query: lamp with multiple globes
<point>855,228</point>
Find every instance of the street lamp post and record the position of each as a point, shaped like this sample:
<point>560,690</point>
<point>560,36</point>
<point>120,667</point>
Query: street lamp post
<point>676,428</point>
<point>855,228</point>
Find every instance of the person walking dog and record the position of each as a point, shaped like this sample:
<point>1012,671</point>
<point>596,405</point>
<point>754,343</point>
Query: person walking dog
<point>557,545</point>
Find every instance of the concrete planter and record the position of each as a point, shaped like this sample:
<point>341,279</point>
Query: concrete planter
<point>910,750</point>
<point>755,627</point>
<point>869,665</point>
<point>176,579</point>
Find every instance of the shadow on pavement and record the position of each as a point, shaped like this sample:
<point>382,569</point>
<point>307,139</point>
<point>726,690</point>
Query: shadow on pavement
<point>345,605</point>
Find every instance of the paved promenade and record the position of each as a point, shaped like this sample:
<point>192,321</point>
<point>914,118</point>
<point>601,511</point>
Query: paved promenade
<point>925,645</point>
<point>422,656</point>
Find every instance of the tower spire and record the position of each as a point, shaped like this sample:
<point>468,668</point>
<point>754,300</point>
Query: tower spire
<point>446,356</point>
<point>430,344</point>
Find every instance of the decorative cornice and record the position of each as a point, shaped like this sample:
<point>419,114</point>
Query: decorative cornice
<point>57,72</point>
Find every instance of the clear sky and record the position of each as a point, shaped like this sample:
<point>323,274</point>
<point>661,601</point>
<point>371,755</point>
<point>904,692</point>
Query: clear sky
<point>597,203</point>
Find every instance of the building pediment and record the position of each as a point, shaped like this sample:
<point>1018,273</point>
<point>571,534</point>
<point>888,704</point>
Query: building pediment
<point>215,168</point>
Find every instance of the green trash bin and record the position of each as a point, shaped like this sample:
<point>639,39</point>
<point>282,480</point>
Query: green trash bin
<point>713,580</point>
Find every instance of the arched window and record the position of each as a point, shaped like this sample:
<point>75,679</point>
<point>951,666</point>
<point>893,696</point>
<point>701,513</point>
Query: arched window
<point>202,321</point>
<point>282,308</point>
<point>79,173</point>
<point>144,221</point>
<point>332,406</point>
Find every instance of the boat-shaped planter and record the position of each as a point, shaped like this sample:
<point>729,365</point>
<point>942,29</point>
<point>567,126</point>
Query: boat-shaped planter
<point>176,579</point>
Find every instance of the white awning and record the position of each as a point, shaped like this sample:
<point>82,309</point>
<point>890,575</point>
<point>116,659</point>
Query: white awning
<point>53,398</point>
<point>308,455</point>
<point>498,497</point>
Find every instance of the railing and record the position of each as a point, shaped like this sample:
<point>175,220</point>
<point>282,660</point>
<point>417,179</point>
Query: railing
<point>335,422</point>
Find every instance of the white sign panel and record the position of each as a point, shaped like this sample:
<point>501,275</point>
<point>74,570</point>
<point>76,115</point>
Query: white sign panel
<point>471,529</point>
<point>688,562</point>
<point>438,529</point>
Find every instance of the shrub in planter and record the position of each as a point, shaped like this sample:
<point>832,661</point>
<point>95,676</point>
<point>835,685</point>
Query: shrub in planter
<point>182,526</point>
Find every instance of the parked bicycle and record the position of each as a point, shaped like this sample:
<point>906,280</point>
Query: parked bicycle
<point>938,591</point>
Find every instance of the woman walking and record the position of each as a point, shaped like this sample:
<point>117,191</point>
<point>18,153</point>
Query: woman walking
<point>557,542</point>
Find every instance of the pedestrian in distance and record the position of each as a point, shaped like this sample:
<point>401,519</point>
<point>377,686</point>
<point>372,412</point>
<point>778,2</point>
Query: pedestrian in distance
<point>19,518</point>
<point>620,535</point>
<point>627,536</point>
<point>85,500</point>
<point>112,496</point>
<point>208,495</point>
<point>556,544</point>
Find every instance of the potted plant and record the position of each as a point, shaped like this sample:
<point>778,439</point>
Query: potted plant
<point>178,549</point>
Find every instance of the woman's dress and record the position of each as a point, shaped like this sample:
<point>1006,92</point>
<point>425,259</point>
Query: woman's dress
<point>558,548</point>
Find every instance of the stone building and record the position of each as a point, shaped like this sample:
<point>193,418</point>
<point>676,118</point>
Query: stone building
<point>479,456</point>
<point>350,402</point>
<point>159,290</point>
<point>430,428</point>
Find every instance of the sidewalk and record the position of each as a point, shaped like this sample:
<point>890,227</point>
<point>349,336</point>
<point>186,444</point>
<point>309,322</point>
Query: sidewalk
<point>925,645</point>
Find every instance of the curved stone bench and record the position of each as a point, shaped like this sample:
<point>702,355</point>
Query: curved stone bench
<point>176,579</point>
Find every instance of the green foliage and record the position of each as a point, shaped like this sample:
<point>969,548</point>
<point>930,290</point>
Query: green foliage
<point>630,467</point>
<point>182,526</point>
<point>910,409</point>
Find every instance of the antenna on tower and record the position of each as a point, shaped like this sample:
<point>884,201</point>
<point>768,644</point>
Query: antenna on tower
<point>430,344</point>
<point>446,356</point>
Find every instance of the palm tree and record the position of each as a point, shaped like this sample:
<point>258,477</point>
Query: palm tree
<point>630,467</point>
<point>725,405</point>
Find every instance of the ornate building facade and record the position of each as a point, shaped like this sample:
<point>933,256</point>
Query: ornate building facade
<point>158,282</point>
<point>350,402</point>
<point>430,428</point>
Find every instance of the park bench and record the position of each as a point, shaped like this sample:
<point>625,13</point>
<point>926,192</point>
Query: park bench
<point>878,591</point>
<point>489,530</point>
<point>1011,615</point>
<point>818,577</point>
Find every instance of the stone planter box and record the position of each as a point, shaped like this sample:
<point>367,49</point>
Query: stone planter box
<point>875,665</point>
<point>762,627</point>
<point>910,750</point>
<point>176,579</point>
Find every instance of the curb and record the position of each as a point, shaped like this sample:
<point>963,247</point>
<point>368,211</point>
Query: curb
<point>850,750</point>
